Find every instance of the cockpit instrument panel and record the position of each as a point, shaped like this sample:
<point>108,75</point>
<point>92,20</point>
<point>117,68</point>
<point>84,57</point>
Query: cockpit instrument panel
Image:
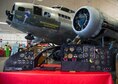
<point>23,60</point>
<point>87,58</point>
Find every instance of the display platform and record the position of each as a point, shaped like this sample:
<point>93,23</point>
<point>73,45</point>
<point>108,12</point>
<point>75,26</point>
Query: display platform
<point>55,77</point>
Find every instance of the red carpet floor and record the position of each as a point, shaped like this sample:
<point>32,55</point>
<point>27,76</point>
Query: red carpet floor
<point>55,77</point>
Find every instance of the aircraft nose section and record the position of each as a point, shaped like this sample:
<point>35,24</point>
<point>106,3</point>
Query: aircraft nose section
<point>9,17</point>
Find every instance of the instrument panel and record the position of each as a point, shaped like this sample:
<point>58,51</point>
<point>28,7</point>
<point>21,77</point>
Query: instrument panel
<point>87,58</point>
<point>73,58</point>
<point>23,60</point>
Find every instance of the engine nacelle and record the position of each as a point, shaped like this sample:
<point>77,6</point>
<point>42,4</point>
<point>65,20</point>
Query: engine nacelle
<point>88,22</point>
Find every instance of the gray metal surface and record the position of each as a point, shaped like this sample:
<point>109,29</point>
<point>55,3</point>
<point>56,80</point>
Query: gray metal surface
<point>110,7</point>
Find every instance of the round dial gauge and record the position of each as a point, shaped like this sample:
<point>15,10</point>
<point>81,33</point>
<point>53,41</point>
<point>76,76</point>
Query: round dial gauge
<point>101,52</point>
<point>14,62</point>
<point>79,49</point>
<point>65,56</point>
<point>66,49</point>
<point>92,49</point>
<point>86,55</point>
<point>70,56</point>
<point>97,56</point>
<point>80,55</point>
<point>91,60</point>
<point>103,62</point>
<point>71,49</point>
<point>102,57</point>
<point>97,62</point>
<point>85,48</point>
<point>92,55</point>
<point>22,55</point>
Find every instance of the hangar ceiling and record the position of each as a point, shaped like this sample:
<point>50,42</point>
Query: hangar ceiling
<point>110,7</point>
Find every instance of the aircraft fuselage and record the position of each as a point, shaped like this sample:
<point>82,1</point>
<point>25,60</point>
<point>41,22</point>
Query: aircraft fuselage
<point>51,24</point>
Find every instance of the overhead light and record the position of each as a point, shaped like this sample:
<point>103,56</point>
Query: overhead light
<point>39,0</point>
<point>3,23</point>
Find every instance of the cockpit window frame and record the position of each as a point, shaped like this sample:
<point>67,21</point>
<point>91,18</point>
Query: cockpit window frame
<point>39,10</point>
<point>64,16</point>
<point>21,8</point>
<point>13,8</point>
<point>65,9</point>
